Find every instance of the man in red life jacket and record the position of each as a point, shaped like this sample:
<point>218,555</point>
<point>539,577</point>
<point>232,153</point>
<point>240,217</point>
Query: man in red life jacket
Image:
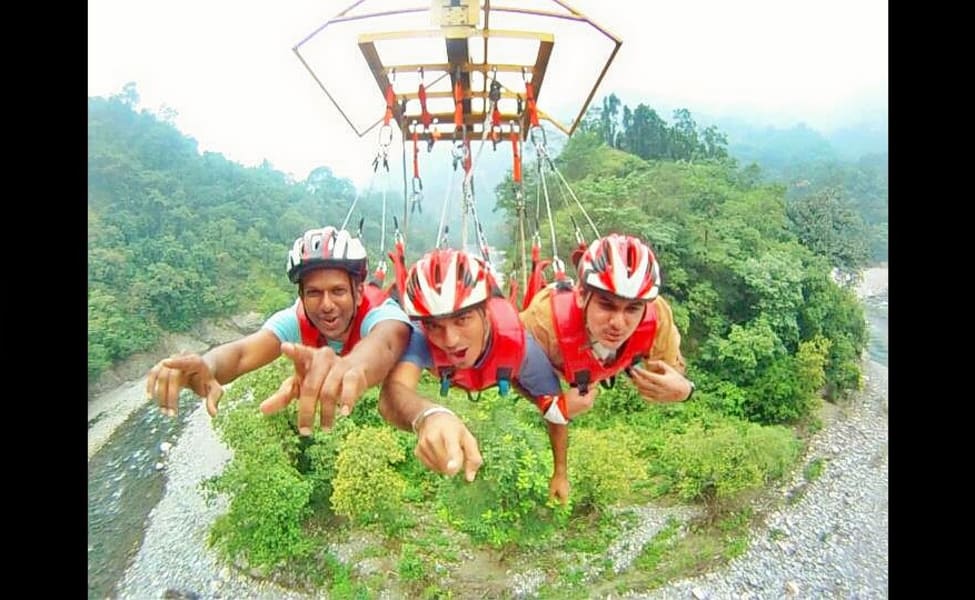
<point>610,321</point>
<point>343,335</point>
<point>468,337</point>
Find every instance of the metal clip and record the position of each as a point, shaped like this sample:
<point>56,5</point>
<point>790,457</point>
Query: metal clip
<point>417,196</point>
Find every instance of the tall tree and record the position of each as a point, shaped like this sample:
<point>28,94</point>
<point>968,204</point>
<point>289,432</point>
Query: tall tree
<point>830,226</point>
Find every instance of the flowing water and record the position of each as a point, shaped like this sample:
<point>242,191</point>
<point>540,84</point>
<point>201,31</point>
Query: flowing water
<point>124,484</point>
<point>876,311</point>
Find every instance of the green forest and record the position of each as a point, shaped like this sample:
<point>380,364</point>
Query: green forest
<point>750,262</point>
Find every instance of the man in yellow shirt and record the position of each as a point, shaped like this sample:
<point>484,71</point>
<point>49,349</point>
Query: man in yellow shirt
<point>611,321</point>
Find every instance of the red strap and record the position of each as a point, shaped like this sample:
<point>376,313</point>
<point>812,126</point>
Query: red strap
<point>513,292</point>
<point>458,104</point>
<point>536,282</point>
<point>398,258</point>
<point>532,110</point>
<point>425,116</point>
<point>390,99</point>
<point>495,124</point>
<point>416,154</point>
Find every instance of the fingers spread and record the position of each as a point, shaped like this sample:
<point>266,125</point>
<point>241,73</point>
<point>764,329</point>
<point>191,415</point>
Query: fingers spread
<point>170,390</point>
<point>151,381</point>
<point>353,385</point>
<point>214,393</point>
<point>183,363</point>
<point>300,355</point>
<point>280,398</point>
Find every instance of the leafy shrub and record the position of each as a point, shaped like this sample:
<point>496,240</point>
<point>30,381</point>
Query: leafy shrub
<point>718,463</point>
<point>366,488</point>
<point>506,502</point>
<point>788,390</point>
<point>268,496</point>
<point>604,465</point>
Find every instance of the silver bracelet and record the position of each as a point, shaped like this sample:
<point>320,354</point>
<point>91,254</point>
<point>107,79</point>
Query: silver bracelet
<point>420,418</point>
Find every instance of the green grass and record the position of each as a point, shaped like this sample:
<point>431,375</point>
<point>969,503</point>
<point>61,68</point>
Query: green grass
<point>814,469</point>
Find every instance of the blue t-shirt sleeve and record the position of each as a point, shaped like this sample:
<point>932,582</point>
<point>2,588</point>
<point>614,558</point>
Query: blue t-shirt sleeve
<point>536,376</point>
<point>284,324</point>
<point>417,352</point>
<point>387,310</point>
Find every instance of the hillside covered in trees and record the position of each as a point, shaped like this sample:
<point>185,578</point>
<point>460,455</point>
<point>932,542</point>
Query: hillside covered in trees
<point>176,236</point>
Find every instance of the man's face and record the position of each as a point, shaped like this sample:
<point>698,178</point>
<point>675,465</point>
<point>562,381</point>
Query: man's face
<point>611,320</point>
<point>329,301</point>
<point>460,336</point>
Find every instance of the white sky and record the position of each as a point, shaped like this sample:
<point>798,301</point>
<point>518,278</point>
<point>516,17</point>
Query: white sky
<point>228,70</point>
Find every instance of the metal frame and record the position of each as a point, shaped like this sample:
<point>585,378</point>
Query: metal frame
<point>456,40</point>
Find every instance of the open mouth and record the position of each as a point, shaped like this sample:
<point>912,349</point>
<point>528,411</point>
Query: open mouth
<point>457,356</point>
<point>330,322</point>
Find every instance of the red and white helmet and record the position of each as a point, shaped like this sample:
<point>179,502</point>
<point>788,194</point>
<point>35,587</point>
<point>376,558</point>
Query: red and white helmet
<point>327,248</point>
<point>621,265</point>
<point>443,282</point>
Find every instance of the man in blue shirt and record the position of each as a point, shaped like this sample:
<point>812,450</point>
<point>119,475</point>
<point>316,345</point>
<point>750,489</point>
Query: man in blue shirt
<point>469,337</point>
<point>358,333</point>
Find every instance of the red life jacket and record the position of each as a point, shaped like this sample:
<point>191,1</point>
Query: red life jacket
<point>506,351</point>
<point>580,366</point>
<point>310,336</point>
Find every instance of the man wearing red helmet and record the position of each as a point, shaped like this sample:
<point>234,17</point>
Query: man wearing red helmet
<point>611,320</point>
<point>357,332</point>
<point>469,337</point>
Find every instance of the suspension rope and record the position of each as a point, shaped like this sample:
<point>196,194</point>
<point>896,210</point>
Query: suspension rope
<point>519,187</point>
<point>469,193</point>
<point>442,228</point>
<point>382,158</point>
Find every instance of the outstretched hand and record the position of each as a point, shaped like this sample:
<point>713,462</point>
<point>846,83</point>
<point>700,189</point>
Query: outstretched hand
<point>321,378</point>
<point>657,381</point>
<point>444,444</point>
<point>184,370</point>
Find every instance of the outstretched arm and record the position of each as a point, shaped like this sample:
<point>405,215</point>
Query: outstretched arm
<point>555,410</point>
<point>558,486</point>
<point>376,353</point>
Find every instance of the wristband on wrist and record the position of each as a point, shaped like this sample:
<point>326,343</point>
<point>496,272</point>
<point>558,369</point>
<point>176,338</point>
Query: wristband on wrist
<point>691,393</point>
<point>420,418</point>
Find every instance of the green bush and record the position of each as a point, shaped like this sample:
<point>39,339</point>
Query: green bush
<point>604,465</point>
<point>366,488</point>
<point>715,464</point>
<point>410,565</point>
<point>788,391</point>
<point>268,497</point>
<point>506,503</point>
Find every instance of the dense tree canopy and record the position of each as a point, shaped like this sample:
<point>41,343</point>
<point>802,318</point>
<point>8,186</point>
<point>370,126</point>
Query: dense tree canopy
<point>175,236</point>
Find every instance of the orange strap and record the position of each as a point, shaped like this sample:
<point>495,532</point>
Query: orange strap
<point>532,109</point>
<point>458,104</point>
<point>516,156</point>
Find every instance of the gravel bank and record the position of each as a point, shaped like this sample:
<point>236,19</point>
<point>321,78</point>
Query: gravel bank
<point>832,541</point>
<point>174,560</point>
